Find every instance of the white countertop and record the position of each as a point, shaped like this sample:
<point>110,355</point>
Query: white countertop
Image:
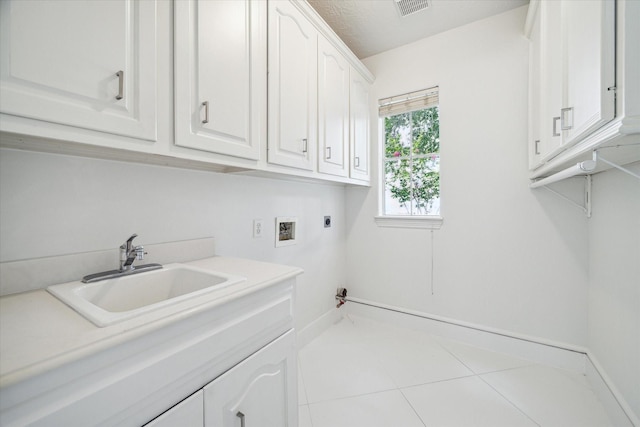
<point>38,332</point>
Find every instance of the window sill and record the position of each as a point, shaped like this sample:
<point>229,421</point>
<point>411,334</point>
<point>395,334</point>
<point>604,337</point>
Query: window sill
<point>425,222</point>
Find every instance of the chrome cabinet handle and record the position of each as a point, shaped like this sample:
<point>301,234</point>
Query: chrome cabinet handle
<point>205,104</point>
<point>356,161</point>
<point>328,153</point>
<point>241,416</point>
<point>305,145</point>
<point>120,75</point>
<point>537,146</point>
<point>555,126</point>
<point>566,114</point>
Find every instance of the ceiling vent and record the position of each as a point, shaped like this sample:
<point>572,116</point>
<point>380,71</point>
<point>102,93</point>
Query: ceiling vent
<point>408,7</point>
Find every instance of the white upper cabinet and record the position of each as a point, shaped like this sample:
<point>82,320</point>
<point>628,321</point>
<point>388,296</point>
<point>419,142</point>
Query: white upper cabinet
<point>333,110</point>
<point>292,86</point>
<point>535,83</point>
<point>588,38</point>
<point>224,85</point>
<point>359,127</point>
<point>87,64</point>
<point>572,79</point>
<point>220,76</point>
<point>550,79</point>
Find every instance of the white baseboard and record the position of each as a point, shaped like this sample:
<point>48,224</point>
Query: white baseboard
<point>318,326</point>
<point>616,406</point>
<point>560,355</point>
<point>564,356</point>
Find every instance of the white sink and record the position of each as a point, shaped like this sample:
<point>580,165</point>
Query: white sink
<point>113,300</point>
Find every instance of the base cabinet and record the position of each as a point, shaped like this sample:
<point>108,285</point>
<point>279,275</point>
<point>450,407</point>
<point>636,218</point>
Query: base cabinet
<point>261,391</point>
<point>188,413</point>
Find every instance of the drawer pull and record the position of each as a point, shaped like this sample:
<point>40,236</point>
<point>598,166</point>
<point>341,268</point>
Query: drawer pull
<point>555,126</point>
<point>205,104</point>
<point>241,416</point>
<point>120,94</point>
<point>566,122</point>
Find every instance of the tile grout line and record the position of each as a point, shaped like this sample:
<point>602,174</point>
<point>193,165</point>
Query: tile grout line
<point>353,396</point>
<point>304,386</point>
<point>479,376</point>
<point>414,409</point>
<point>508,400</point>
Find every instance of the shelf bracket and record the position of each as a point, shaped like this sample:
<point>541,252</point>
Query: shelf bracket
<point>597,157</point>
<point>586,208</point>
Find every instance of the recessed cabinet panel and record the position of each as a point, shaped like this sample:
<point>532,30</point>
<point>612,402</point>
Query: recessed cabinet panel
<point>220,76</point>
<point>588,31</point>
<point>333,110</point>
<point>85,64</point>
<point>260,391</point>
<point>292,87</point>
<point>359,127</point>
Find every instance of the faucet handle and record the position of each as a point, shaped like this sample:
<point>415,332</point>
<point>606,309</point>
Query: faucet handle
<point>127,244</point>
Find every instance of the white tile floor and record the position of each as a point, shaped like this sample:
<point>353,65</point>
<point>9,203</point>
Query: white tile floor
<point>363,373</point>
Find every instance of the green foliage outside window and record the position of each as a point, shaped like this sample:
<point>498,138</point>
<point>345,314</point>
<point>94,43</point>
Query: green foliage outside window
<point>412,163</point>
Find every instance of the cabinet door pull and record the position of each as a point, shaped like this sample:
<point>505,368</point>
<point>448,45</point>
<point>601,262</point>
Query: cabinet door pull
<point>537,146</point>
<point>356,161</point>
<point>328,153</point>
<point>120,75</point>
<point>205,104</point>
<point>555,126</point>
<point>305,146</point>
<point>566,122</point>
<point>241,416</point>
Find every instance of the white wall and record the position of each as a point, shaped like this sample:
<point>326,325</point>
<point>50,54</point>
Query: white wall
<point>55,204</point>
<point>506,256</point>
<point>614,279</point>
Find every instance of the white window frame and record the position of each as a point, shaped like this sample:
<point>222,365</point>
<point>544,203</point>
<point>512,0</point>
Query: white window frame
<point>401,221</point>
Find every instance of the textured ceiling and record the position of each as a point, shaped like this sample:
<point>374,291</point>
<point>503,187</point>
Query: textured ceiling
<point>369,27</point>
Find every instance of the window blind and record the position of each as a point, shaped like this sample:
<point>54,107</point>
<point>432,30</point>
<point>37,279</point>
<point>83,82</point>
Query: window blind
<point>408,102</point>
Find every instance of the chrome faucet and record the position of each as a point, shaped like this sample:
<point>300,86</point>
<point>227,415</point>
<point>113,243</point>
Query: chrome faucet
<point>128,254</point>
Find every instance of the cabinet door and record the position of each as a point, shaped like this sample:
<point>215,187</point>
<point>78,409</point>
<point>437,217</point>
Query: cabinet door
<point>588,32</point>
<point>292,87</point>
<point>333,110</point>
<point>87,64</point>
<point>551,79</point>
<point>359,126</point>
<point>535,91</point>
<point>188,413</point>
<point>259,392</point>
<point>220,76</point>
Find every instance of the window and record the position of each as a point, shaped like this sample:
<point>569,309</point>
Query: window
<point>411,160</point>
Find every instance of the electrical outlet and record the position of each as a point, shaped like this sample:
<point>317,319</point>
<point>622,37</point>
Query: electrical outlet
<point>257,228</point>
